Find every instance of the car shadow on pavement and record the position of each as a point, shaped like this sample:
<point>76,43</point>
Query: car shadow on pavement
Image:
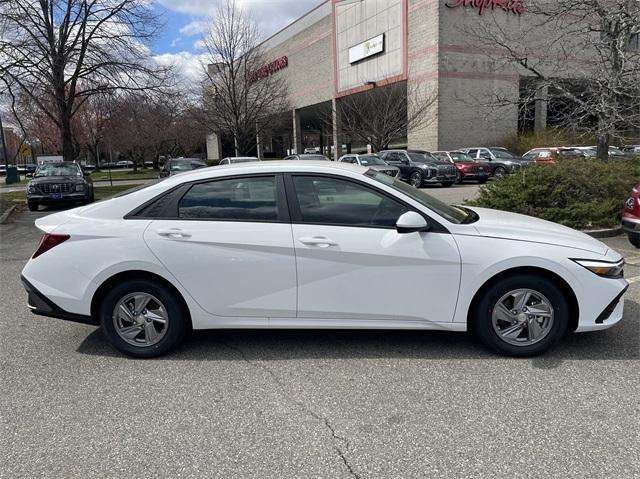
<point>619,343</point>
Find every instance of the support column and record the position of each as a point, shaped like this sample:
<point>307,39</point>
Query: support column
<point>337,129</point>
<point>540,110</point>
<point>297,133</point>
<point>214,148</point>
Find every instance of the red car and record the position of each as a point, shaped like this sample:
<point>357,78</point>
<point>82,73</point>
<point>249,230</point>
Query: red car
<point>631,217</point>
<point>466,167</point>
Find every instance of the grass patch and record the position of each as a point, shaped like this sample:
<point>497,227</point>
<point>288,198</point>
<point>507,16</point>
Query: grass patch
<point>116,175</point>
<point>101,192</point>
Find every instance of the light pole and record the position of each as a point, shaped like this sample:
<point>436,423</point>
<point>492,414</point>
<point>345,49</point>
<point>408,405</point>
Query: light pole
<point>4,147</point>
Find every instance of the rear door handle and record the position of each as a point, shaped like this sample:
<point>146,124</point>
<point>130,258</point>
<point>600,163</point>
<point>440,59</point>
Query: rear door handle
<point>173,233</point>
<point>320,241</point>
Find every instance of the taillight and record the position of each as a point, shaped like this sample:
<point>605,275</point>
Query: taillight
<point>49,241</point>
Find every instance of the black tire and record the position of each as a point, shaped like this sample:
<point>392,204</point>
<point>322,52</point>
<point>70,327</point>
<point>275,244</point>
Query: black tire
<point>634,239</point>
<point>92,198</point>
<point>458,177</point>
<point>447,184</point>
<point>482,181</point>
<point>32,205</point>
<point>483,322</point>
<point>415,179</point>
<point>500,172</point>
<point>176,325</point>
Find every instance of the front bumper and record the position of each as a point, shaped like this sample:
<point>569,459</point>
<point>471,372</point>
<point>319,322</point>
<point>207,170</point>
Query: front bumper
<point>41,305</point>
<point>439,179</point>
<point>64,198</point>
<point>631,224</point>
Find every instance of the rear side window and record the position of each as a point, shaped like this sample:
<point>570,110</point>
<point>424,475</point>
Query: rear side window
<point>234,199</point>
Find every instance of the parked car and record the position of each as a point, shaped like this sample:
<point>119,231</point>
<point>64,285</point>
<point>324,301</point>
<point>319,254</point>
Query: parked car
<point>467,169</point>
<point>124,164</point>
<point>312,150</point>
<point>291,244</point>
<point>59,183</point>
<point>631,216</point>
<point>371,161</point>
<point>549,156</point>
<point>420,167</point>
<point>631,150</point>
<point>180,165</point>
<point>307,157</point>
<point>500,160</point>
<point>237,159</point>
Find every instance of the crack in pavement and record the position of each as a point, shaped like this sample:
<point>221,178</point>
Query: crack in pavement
<point>336,438</point>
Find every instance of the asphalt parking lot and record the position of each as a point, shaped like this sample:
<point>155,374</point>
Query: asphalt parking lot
<point>331,404</point>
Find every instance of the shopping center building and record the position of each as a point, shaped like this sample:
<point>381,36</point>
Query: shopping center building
<point>347,47</point>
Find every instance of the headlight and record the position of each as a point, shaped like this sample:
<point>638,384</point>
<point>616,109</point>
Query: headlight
<point>31,189</point>
<point>606,269</point>
<point>80,187</point>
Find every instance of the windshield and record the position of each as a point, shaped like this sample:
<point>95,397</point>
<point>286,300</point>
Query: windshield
<point>418,157</point>
<point>187,165</point>
<point>57,169</point>
<point>451,213</point>
<point>500,153</point>
<point>371,160</point>
<point>455,156</point>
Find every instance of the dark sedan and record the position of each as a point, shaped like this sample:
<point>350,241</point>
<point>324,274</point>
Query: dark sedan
<point>56,183</point>
<point>179,165</point>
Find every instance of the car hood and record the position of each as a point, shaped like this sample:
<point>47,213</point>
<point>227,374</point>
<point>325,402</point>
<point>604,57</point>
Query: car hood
<point>513,226</point>
<point>56,179</point>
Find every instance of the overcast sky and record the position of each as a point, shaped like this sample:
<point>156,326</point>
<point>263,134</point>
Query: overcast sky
<point>186,20</point>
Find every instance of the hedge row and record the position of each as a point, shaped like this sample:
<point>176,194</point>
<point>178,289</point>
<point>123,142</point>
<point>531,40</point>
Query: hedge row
<point>582,194</point>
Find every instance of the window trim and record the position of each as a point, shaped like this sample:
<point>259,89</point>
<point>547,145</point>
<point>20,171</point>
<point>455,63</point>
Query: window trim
<point>296,213</point>
<point>179,191</point>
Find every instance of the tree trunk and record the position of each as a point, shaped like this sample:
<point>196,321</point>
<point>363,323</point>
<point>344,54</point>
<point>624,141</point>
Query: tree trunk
<point>603,146</point>
<point>66,137</point>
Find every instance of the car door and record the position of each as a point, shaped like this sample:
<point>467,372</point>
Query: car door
<point>352,264</point>
<point>229,245</point>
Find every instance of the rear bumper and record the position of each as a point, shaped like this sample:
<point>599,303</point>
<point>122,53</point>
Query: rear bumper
<point>631,224</point>
<point>41,305</point>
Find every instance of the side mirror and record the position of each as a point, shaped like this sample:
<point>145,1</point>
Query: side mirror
<point>411,222</point>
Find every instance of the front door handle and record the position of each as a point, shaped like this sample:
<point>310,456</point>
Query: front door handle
<point>320,241</point>
<point>173,233</point>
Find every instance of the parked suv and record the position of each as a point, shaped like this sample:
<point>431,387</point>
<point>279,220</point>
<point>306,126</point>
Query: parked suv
<point>467,169</point>
<point>60,182</point>
<point>370,161</point>
<point>501,160</point>
<point>631,216</point>
<point>419,167</point>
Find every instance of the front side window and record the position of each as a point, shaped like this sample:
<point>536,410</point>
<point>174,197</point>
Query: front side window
<point>333,201</point>
<point>503,154</point>
<point>234,199</point>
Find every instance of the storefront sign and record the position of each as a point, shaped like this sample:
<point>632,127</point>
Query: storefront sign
<point>269,69</point>
<point>512,6</point>
<point>371,47</point>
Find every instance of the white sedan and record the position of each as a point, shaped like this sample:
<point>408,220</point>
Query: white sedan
<point>316,245</point>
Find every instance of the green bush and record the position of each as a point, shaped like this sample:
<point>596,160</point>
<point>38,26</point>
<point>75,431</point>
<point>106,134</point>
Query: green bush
<point>581,194</point>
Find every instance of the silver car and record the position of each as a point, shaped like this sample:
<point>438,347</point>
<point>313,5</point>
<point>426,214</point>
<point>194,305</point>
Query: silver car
<point>372,161</point>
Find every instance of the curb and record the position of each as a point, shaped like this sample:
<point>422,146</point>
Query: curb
<point>604,233</point>
<point>5,216</point>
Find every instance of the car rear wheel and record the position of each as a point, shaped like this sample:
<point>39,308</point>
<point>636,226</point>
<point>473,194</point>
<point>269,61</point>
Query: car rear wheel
<point>499,172</point>
<point>521,316</point>
<point>33,206</point>
<point>458,178</point>
<point>634,239</point>
<point>416,179</point>
<point>143,319</point>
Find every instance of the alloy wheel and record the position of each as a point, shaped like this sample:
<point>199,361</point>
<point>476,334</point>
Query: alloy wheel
<point>522,317</point>
<point>140,319</point>
<point>416,179</point>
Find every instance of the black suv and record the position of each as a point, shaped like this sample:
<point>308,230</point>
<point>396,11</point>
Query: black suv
<point>56,183</point>
<point>419,167</point>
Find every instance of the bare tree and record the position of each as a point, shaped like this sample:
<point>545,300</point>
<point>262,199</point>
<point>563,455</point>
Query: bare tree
<point>582,58</point>
<point>59,53</point>
<point>241,91</point>
<point>379,116</point>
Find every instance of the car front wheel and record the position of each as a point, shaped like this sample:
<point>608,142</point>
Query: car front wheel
<point>143,319</point>
<point>634,239</point>
<point>499,172</point>
<point>447,184</point>
<point>33,206</point>
<point>416,179</point>
<point>521,316</point>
